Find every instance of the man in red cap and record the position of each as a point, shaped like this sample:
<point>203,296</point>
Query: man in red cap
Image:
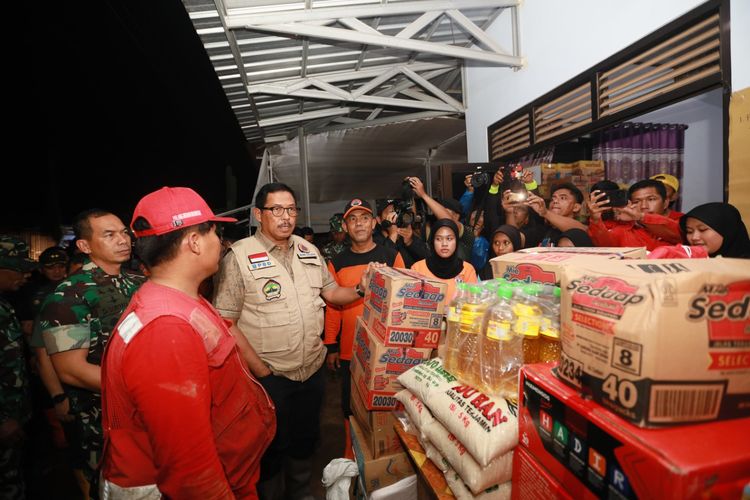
<point>182,416</point>
<point>347,269</point>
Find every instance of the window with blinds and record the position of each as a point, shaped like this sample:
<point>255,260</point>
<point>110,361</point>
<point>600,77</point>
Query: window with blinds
<point>687,57</point>
<point>510,137</point>
<point>681,59</point>
<point>567,112</point>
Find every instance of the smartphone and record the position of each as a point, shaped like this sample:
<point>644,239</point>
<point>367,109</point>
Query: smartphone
<point>518,196</point>
<point>617,198</point>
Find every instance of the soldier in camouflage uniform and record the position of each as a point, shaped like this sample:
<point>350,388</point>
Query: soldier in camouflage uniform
<point>15,405</point>
<point>338,235</point>
<point>77,319</point>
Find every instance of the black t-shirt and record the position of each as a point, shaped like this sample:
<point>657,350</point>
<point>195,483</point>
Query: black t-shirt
<point>348,258</point>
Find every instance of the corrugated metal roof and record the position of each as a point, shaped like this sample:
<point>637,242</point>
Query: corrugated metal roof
<point>346,63</point>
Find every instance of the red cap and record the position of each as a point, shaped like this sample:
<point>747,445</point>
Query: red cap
<point>169,209</point>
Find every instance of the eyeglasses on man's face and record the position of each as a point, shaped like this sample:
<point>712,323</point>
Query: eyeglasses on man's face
<point>277,211</point>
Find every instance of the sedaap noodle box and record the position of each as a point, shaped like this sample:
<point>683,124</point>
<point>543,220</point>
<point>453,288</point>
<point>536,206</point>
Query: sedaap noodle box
<point>404,308</point>
<point>659,342</point>
<point>544,264</point>
<point>375,367</point>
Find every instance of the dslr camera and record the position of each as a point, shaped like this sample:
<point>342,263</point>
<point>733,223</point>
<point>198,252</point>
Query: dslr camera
<point>405,216</point>
<point>480,177</point>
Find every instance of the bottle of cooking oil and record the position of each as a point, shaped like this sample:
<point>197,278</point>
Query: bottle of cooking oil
<point>501,352</point>
<point>449,350</point>
<point>528,317</point>
<point>472,318</point>
<point>549,331</point>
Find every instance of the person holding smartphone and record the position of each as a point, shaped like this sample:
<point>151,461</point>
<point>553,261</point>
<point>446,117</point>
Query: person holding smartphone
<point>637,223</point>
<point>565,204</point>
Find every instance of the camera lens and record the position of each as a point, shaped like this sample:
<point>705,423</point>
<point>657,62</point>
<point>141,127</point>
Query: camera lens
<point>479,179</point>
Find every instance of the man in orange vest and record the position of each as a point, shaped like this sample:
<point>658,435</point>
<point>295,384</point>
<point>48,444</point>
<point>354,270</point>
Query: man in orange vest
<point>182,415</point>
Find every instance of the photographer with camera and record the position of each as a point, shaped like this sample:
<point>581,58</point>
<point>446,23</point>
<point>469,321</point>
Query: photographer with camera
<point>637,221</point>
<point>395,229</point>
<point>445,209</point>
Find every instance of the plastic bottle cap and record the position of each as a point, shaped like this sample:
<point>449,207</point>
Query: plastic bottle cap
<point>551,334</point>
<point>475,288</point>
<point>462,285</point>
<point>556,292</point>
<point>530,289</point>
<point>505,292</point>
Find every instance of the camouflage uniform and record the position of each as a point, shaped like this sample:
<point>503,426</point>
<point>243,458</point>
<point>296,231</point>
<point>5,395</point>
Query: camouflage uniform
<point>15,403</point>
<point>332,249</point>
<point>81,314</point>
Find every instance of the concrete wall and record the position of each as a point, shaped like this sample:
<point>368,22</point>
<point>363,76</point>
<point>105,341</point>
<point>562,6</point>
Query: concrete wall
<point>562,39</point>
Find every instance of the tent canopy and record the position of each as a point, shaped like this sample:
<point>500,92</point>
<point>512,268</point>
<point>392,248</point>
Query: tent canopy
<point>366,163</point>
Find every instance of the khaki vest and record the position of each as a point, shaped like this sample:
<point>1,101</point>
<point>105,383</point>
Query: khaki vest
<point>283,319</point>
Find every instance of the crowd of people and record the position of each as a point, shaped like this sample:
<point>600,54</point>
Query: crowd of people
<point>201,374</point>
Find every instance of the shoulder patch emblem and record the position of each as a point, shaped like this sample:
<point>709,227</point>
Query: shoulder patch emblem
<point>272,290</point>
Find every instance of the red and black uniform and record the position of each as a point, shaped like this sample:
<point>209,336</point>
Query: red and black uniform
<point>181,414</point>
<point>347,268</point>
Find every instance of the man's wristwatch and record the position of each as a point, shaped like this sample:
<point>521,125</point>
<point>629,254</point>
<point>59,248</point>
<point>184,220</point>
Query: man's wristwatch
<point>59,398</point>
<point>359,291</point>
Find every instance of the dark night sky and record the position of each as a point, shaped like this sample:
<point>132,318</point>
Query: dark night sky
<point>113,99</point>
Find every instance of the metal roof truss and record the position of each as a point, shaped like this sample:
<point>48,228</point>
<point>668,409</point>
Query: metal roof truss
<point>317,65</point>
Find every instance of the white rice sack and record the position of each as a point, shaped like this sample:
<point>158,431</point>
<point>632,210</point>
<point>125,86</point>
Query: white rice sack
<point>418,413</point>
<point>462,492</point>
<point>487,426</point>
<point>477,478</point>
<point>434,455</point>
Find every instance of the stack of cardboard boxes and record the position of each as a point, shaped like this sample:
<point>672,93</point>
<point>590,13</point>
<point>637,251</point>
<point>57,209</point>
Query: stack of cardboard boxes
<point>651,343</point>
<point>399,328</point>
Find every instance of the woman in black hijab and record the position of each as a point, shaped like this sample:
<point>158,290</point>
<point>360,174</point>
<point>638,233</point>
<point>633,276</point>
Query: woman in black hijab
<point>719,228</point>
<point>443,261</point>
<point>505,239</point>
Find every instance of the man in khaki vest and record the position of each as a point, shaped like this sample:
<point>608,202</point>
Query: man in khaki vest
<point>271,286</point>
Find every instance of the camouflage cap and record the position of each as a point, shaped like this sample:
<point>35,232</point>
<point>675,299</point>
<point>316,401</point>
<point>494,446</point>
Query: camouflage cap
<point>52,256</point>
<point>14,254</point>
<point>336,222</point>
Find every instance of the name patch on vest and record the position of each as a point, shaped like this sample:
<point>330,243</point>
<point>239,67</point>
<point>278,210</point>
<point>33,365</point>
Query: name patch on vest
<point>305,253</point>
<point>129,327</point>
<point>259,261</point>
<point>272,290</point>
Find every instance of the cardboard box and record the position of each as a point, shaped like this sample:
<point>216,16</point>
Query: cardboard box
<point>377,426</point>
<point>379,472</point>
<point>586,447</point>
<point>404,299</point>
<point>375,367</point>
<point>531,481</point>
<point>659,342</point>
<point>401,336</point>
<point>544,265</point>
